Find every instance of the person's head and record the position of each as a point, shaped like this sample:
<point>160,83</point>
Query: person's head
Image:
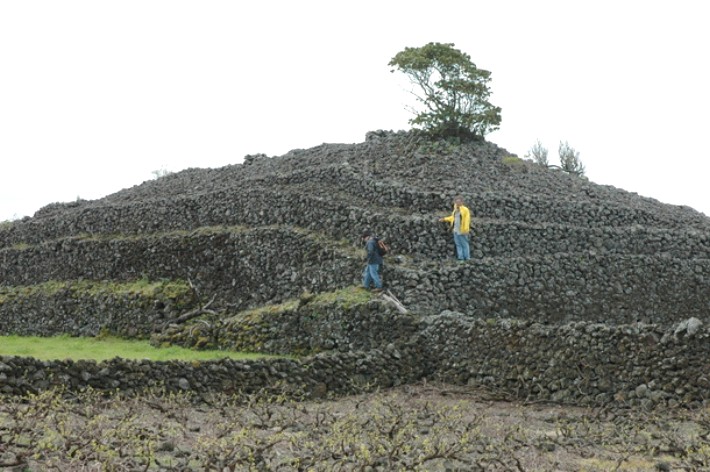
<point>366,234</point>
<point>458,201</point>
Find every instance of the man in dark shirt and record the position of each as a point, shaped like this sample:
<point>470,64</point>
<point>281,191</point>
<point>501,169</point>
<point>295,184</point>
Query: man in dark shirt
<point>371,274</point>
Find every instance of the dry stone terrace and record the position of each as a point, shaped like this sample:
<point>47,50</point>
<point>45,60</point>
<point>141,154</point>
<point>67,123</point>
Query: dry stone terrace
<point>549,250</point>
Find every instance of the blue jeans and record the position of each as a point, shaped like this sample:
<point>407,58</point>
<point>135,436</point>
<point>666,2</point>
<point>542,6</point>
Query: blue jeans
<point>462,250</point>
<point>371,275</point>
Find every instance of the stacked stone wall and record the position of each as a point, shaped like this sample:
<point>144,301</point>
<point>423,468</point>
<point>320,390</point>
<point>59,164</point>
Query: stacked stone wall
<point>562,287</point>
<point>340,373</point>
<point>553,255</point>
<point>299,329</point>
<point>414,235</point>
<point>242,267</point>
<point>577,363</point>
<point>581,363</point>
<point>90,310</point>
<point>317,209</point>
<point>252,267</point>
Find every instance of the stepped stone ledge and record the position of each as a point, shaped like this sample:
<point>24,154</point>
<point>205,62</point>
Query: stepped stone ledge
<point>576,292</point>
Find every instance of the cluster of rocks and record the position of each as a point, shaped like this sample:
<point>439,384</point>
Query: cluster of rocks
<point>240,266</point>
<point>251,267</point>
<point>562,287</point>
<point>300,328</point>
<point>91,309</point>
<point>320,187</point>
<point>549,249</point>
<point>576,363</point>
<point>317,376</point>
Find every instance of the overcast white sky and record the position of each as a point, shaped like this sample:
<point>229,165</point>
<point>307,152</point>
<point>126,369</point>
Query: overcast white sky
<point>97,95</point>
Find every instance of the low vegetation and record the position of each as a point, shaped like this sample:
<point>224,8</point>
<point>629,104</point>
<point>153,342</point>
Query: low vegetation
<point>143,287</point>
<point>432,428</point>
<point>569,158</point>
<point>345,297</point>
<point>103,348</point>
<point>513,162</point>
<point>6,224</point>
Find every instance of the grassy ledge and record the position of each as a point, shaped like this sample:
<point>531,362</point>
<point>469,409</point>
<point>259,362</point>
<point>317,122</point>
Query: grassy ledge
<point>99,349</point>
<point>142,287</point>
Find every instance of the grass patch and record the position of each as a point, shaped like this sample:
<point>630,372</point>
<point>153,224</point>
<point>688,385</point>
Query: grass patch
<point>142,287</point>
<point>100,349</point>
<point>346,297</point>
<point>513,162</point>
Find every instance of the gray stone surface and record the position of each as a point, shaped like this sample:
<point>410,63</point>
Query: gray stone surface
<point>576,292</point>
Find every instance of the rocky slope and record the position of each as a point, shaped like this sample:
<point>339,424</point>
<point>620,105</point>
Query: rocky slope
<point>548,246</point>
<point>576,292</point>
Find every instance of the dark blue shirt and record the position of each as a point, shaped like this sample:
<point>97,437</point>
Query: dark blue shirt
<point>373,254</point>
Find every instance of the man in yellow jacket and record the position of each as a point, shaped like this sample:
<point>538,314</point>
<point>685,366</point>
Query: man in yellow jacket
<point>460,221</point>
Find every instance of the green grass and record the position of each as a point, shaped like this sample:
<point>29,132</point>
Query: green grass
<point>99,349</point>
<point>347,297</point>
<point>142,287</point>
<point>513,161</point>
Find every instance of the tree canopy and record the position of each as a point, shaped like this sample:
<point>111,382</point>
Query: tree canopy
<point>453,90</point>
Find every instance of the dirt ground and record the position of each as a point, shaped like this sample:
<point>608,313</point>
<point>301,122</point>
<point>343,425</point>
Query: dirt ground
<point>421,427</point>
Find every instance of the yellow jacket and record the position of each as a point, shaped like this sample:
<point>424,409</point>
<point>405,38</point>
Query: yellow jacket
<point>465,219</point>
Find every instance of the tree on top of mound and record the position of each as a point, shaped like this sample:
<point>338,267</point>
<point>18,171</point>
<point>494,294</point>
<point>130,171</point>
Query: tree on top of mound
<point>454,91</point>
